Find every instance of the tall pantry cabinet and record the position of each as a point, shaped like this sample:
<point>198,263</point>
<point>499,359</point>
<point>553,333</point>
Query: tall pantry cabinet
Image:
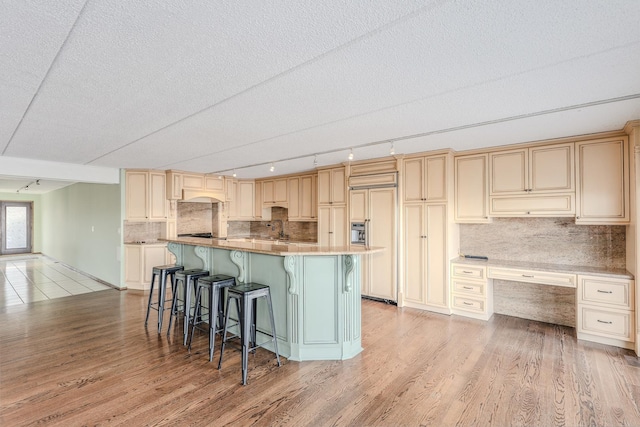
<point>332,207</point>
<point>428,232</point>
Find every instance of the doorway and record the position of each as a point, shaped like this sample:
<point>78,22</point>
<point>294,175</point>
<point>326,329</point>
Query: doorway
<point>16,223</point>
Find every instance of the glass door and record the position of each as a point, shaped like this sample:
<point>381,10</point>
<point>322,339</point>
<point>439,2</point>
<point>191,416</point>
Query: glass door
<point>16,225</point>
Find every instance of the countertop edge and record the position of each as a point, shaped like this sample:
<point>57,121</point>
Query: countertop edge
<point>556,268</point>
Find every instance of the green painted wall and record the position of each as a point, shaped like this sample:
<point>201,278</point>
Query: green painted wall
<point>81,227</point>
<point>37,214</point>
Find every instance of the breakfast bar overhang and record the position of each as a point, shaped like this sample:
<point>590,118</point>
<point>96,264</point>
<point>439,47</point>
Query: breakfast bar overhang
<point>315,290</point>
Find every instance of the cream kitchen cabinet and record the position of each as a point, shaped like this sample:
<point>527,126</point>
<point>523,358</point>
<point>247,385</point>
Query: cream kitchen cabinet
<point>377,208</point>
<point>534,181</point>
<point>543,169</point>
<point>606,310</point>
<point>145,195</point>
<point>274,192</point>
<point>177,181</point>
<point>332,186</point>
<point>302,198</point>
<point>602,194</point>
<point>257,205</point>
<point>240,200</point>
<point>139,262</point>
<point>425,262</point>
<point>471,291</point>
<point>471,189</point>
<point>425,179</point>
<point>332,225</point>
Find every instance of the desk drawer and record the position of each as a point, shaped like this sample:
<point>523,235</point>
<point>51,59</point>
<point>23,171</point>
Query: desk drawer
<point>608,323</point>
<point>468,271</point>
<point>532,276</point>
<point>468,304</point>
<point>468,287</point>
<point>612,292</point>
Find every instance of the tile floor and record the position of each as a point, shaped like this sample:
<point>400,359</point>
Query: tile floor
<point>29,278</point>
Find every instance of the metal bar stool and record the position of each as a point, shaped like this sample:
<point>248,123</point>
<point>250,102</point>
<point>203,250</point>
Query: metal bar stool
<point>188,278</point>
<point>215,286</point>
<point>163,271</point>
<point>246,298</point>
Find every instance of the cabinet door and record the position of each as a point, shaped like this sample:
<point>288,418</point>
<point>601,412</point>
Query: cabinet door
<point>338,186</point>
<point>551,169</point>
<point>339,225</point>
<point>307,197</point>
<point>324,225</point>
<point>268,192</point>
<point>151,257</point>
<point>133,265</point>
<point>324,187</point>
<point>413,180</point>
<point>258,200</point>
<point>603,181</point>
<point>508,171</point>
<point>245,199</point>
<point>280,190</point>
<point>157,196</point>
<point>436,179</point>
<point>231,205</point>
<point>436,259</point>
<point>137,198</point>
<point>414,253</point>
<point>382,229</point>
<point>358,204</point>
<point>471,189</point>
<point>294,198</point>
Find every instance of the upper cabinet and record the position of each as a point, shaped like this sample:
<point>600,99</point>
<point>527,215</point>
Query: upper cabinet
<point>302,198</point>
<point>603,181</point>
<point>194,185</point>
<point>240,200</point>
<point>471,189</point>
<point>544,169</point>
<point>535,181</point>
<point>274,192</point>
<point>332,186</point>
<point>145,195</point>
<point>425,179</point>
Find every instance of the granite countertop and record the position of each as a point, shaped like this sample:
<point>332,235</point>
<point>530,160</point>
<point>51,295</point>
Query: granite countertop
<point>555,268</point>
<point>281,248</point>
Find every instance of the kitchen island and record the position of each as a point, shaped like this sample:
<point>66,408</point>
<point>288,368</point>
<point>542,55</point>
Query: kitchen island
<point>315,290</point>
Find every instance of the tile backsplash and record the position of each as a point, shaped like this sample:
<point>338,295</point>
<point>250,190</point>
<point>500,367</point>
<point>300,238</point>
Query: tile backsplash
<point>194,217</point>
<point>294,230</point>
<point>546,240</point>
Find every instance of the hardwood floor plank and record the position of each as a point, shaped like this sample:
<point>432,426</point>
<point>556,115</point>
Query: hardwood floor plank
<point>89,360</point>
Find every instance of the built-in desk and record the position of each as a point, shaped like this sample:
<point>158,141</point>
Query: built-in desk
<point>599,302</point>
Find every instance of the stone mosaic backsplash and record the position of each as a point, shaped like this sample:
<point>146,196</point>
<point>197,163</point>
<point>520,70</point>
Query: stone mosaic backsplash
<point>546,240</point>
<point>142,231</point>
<point>293,230</point>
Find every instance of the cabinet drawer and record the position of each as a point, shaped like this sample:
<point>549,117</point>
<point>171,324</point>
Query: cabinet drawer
<point>533,205</point>
<point>531,276</point>
<point>470,288</point>
<point>608,323</point>
<point>469,304</point>
<point>468,271</point>
<point>617,293</point>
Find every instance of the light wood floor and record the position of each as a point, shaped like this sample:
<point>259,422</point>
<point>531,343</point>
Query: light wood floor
<point>88,360</point>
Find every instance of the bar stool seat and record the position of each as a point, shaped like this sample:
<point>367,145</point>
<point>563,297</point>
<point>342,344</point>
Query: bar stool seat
<point>246,298</point>
<point>215,286</point>
<point>188,279</point>
<point>163,271</point>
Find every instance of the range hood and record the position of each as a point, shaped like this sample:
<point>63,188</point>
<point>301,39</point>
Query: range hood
<point>202,196</point>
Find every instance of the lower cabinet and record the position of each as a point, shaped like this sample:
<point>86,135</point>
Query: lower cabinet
<point>606,310</point>
<point>471,291</point>
<point>139,261</point>
<point>425,261</point>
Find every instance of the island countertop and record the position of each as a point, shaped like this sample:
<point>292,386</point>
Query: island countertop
<point>276,248</point>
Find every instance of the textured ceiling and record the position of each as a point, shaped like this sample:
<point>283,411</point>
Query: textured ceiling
<point>210,86</point>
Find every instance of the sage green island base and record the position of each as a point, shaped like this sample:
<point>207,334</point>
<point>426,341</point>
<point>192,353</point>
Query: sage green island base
<point>315,292</point>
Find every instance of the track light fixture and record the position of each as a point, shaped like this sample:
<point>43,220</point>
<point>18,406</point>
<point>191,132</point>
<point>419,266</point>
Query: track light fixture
<point>392,150</point>
<point>234,173</point>
<point>315,161</point>
<point>272,168</point>
<point>350,154</point>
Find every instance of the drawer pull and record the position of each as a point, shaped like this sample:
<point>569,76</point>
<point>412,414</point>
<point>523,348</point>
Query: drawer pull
<point>602,321</point>
<point>466,303</point>
<point>525,275</point>
<point>467,287</point>
<point>467,272</point>
<point>605,292</point>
